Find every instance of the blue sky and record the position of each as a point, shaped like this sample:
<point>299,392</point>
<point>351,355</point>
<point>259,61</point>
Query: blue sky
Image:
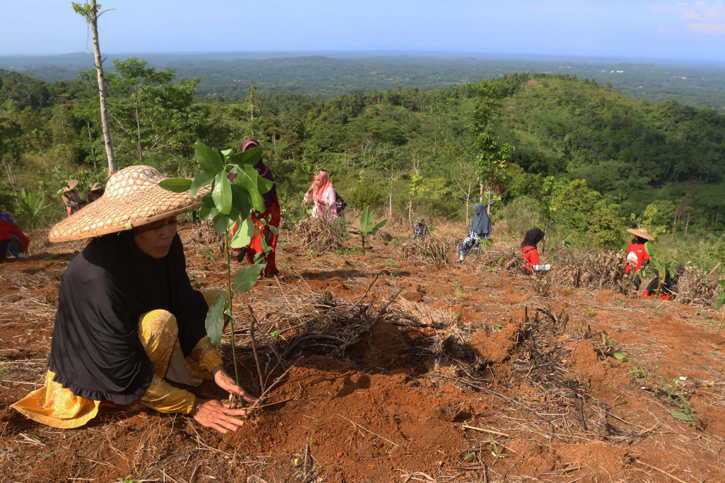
<point>660,29</point>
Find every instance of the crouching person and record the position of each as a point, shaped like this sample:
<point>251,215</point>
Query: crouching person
<point>532,261</point>
<point>129,325</point>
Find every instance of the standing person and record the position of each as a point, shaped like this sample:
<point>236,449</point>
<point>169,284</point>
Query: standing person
<point>637,254</point>
<point>271,217</point>
<point>13,241</point>
<point>95,192</point>
<point>129,324</point>
<point>324,197</point>
<point>532,262</point>
<point>480,229</point>
<point>71,199</point>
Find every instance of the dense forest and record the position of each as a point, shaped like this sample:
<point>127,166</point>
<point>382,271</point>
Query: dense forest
<point>568,153</point>
<point>328,74</point>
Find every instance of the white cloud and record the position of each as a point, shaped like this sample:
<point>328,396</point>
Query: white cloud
<point>707,28</point>
<point>704,17</point>
<point>704,11</point>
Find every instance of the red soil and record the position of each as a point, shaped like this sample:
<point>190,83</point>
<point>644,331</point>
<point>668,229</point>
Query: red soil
<point>387,414</point>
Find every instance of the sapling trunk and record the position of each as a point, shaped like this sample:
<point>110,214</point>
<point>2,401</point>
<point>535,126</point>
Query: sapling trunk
<point>228,303</point>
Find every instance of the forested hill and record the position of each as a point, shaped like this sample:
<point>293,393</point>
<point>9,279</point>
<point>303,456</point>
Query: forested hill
<point>329,74</point>
<point>569,151</point>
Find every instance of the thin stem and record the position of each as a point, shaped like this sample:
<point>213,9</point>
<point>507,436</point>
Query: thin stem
<point>228,303</point>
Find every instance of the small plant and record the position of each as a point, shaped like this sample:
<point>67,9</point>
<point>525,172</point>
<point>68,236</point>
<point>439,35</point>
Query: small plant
<point>721,299</point>
<point>32,207</point>
<point>368,226</point>
<point>236,190</point>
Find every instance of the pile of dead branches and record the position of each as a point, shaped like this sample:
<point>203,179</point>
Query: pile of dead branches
<point>506,258</point>
<point>321,235</point>
<point>598,270</point>
<point>445,347</point>
<point>428,251</point>
<point>697,287</point>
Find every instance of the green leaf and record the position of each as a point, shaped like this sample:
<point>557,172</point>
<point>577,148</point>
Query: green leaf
<point>620,357</point>
<point>210,160</point>
<point>222,193</point>
<point>241,204</point>
<point>247,277</point>
<point>214,322</point>
<point>251,157</point>
<point>221,224</point>
<point>248,177</point>
<point>177,185</point>
<point>202,179</point>
<point>208,209</point>
<point>682,416</point>
<point>379,226</point>
<point>243,235</point>
<point>226,152</point>
<point>365,220</point>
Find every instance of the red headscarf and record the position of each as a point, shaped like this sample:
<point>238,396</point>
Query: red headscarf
<point>323,181</point>
<point>249,143</point>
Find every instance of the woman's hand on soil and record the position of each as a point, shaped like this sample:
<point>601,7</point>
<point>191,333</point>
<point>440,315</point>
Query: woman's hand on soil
<point>224,381</point>
<point>213,414</point>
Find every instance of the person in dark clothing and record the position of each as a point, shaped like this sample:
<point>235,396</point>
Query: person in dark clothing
<point>480,229</point>
<point>129,324</point>
<point>667,289</point>
<point>532,262</point>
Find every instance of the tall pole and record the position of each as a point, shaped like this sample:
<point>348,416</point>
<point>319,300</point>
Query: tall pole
<point>107,141</point>
<point>90,12</point>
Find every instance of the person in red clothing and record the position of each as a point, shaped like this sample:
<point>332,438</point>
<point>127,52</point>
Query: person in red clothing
<point>532,262</point>
<point>12,239</point>
<point>271,217</point>
<point>637,254</point>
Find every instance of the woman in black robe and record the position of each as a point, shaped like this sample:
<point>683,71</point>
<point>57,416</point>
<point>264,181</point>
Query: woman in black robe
<point>129,324</point>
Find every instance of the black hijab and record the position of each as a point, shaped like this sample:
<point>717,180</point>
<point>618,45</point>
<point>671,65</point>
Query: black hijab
<point>96,351</point>
<point>532,237</point>
<point>481,223</point>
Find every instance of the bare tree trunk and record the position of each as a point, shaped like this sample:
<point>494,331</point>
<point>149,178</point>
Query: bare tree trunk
<point>138,134</point>
<point>390,202</point>
<point>93,21</point>
<point>468,202</point>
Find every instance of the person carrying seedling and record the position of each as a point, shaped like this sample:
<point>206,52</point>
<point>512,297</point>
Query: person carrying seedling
<point>13,241</point>
<point>480,229</point>
<point>70,197</point>
<point>637,254</point>
<point>420,230</point>
<point>266,225</point>
<point>129,324</point>
<point>532,262</point>
<point>324,197</point>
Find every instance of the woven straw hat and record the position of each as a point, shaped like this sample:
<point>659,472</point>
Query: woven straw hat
<point>132,198</point>
<point>642,233</point>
